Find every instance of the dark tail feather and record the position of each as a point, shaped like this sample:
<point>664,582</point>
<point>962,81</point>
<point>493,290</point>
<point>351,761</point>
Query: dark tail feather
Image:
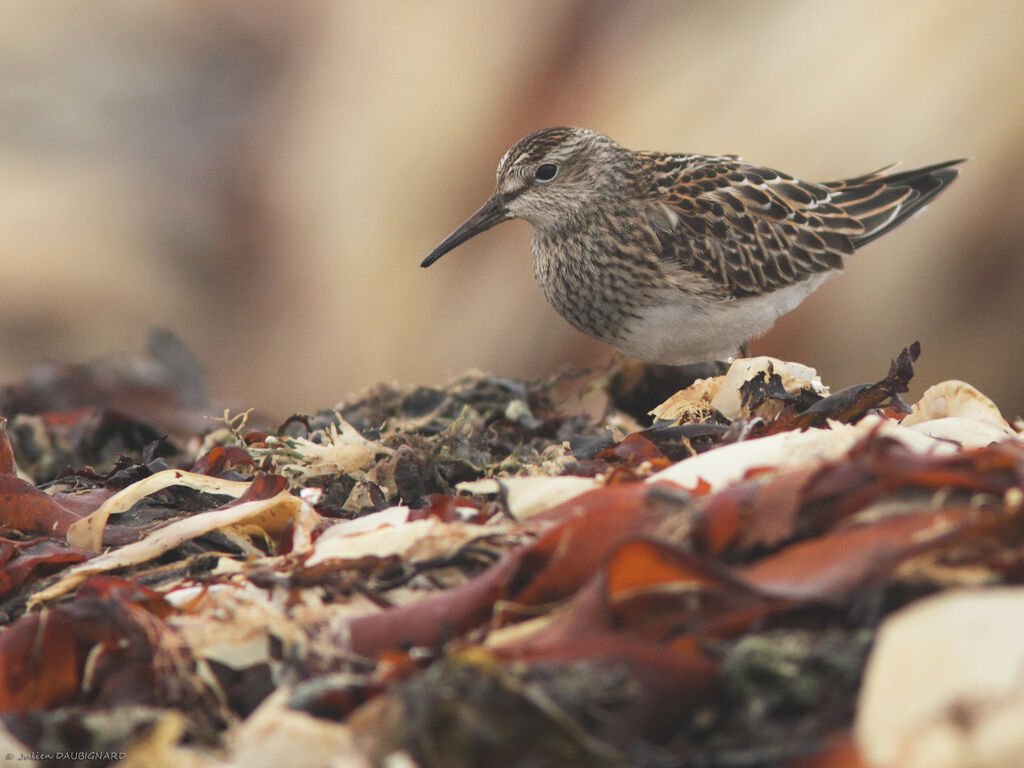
<point>881,202</point>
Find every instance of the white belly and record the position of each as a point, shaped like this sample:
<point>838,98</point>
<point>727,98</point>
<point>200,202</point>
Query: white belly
<point>692,330</point>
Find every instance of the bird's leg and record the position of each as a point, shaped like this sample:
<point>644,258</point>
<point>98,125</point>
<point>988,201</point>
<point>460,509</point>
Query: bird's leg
<point>745,349</point>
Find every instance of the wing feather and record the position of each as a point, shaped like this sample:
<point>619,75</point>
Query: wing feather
<point>751,230</point>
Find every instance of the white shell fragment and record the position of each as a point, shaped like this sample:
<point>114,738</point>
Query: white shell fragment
<point>692,403</point>
<point>944,686</point>
<point>271,515</point>
<point>389,533</point>
<point>955,410</point>
<point>795,377</point>
<point>729,463</point>
<point>87,533</point>
<point>528,496</point>
<point>276,734</point>
<point>722,393</point>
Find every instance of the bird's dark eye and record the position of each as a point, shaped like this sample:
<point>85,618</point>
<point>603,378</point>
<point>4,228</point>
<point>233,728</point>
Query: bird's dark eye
<point>545,172</point>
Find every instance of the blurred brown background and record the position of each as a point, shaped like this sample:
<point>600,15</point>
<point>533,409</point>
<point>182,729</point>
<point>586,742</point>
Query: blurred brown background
<point>263,178</point>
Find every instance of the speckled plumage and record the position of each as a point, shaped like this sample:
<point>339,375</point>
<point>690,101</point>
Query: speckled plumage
<point>676,258</point>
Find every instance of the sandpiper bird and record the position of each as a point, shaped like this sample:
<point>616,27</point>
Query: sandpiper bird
<point>675,258</point>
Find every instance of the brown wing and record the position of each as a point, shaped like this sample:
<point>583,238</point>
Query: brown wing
<point>752,230</point>
<point>882,201</point>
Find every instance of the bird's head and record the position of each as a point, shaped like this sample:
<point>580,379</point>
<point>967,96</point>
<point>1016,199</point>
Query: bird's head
<point>552,178</point>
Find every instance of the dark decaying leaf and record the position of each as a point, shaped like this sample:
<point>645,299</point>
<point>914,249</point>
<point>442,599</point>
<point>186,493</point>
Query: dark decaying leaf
<point>433,621</point>
<point>633,451</point>
<point>24,507</point>
<point>221,458</point>
<point>7,465</point>
<point>21,560</point>
<point>832,567</point>
<point>679,441</point>
<point>565,558</point>
<point>766,386</point>
<point>851,404</point>
<point>108,647</point>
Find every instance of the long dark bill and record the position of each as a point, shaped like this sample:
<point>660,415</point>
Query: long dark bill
<point>491,213</point>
